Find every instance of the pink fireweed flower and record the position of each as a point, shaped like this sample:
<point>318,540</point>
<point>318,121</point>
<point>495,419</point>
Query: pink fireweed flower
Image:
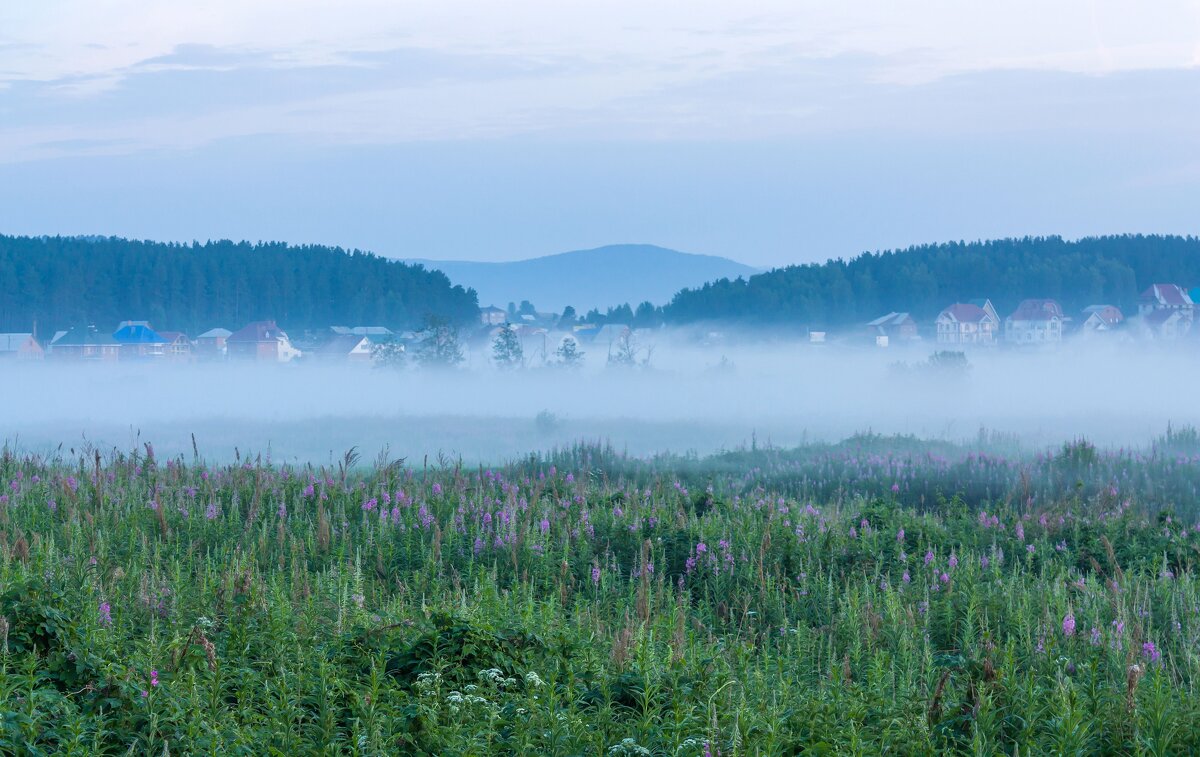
<point>944,578</point>
<point>953,561</point>
<point>1068,624</point>
<point>928,557</point>
<point>153,677</point>
<point>1020,531</point>
<point>895,488</point>
<point>1151,652</point>
<point>105,614</point>
<point>906,578</point>
<point>1095,637</point>
<point>900,535</point>
<point>437,490</point>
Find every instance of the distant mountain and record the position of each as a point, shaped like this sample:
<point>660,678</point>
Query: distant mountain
<point>585,279</point>
<point>922,280</point>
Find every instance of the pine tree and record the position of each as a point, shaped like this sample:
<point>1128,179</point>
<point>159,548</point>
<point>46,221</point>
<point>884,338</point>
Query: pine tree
<point>507,352</point>
<point>568,354</point>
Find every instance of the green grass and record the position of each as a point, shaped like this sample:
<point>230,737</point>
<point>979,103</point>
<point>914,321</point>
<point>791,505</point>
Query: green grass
<point>588,604</point>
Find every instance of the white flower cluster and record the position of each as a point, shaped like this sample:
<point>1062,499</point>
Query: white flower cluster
<point>427,683</point>
<point>629,747</point>
<point>496,677</point>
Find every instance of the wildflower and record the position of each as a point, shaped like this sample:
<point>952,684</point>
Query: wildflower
<point>900,535</point>
<point>1095,637</point>
<point>211,511</point>
<point>437,490</point>
<point>1020,531</point>
<point>153,677</point>
<point>906,578</point>
<point>928,557</point>
<point>944,578</point>
<point>1151,652</point>
<point>596,575</point>
<point>895,488</point>
<point>984,561</point>
<point>701,548</point>
<point>105,614</point>
<point>544,525</point>
<point>1029,548</point>
<point>953,561</point>
<point>1068,624</point>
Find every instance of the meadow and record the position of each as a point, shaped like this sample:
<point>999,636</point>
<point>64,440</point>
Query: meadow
<point>881,595</point>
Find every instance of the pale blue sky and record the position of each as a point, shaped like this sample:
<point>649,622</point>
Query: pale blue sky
<point>785,132</point>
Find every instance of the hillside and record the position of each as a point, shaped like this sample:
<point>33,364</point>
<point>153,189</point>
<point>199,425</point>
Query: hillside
<point>63,281</point>
<point>922,280</point>
<point>584,279</point>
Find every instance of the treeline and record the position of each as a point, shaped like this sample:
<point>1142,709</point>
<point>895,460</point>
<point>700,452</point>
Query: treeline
<point>65,281</point>
<point>924,279</point>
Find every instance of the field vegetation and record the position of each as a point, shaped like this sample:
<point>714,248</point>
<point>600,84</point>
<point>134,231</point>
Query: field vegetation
<point>876,596</point>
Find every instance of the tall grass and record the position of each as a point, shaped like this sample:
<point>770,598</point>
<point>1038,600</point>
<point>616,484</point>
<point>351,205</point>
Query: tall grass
<point>588,604</point>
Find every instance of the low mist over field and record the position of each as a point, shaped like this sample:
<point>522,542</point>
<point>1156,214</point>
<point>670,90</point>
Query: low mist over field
<point>689,399</point>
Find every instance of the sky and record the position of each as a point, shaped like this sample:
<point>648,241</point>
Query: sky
<point>770,132</point>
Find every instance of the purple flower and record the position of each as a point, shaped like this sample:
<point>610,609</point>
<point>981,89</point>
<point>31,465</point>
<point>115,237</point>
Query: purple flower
<point>437,490</point>
<point>944,578</point>
<point>953,561</point>
<point>544,525</point>
<point>906,578</point>
<point>1095,637</point>
<point>1151,652</point>
<point>900,535</point>
<point>105,614</point>
<point>701,548</point>
<point>153,677</point>
<point>928,557</point>
<point>1068,624</point>
<point>596,575</point>
<point>895,488</point>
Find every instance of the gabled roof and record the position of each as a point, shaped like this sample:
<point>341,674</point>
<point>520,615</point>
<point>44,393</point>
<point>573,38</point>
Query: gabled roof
<point>217,333</point>
<point>492,309</point>
<point>84,337</point>
<point>1037,310</point>
<point>342,344</point>
<point>258,331</point>
<point>1160,317</point>
<point>891,319</point>
<point>964,312</point>
<point>1110,314</point>
<point>170,337</point>
<point>372,331</point>
<point>1171,295</point>
<point>137,332</point>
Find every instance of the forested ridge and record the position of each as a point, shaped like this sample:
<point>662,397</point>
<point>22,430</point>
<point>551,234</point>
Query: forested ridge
<point>924,279</point>
<point>64,281</point>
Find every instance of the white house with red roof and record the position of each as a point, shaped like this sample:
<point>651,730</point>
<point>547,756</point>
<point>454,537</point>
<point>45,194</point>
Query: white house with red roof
<point>1098,319</point>
<point>964,323</point>
<point>1035,322</point>
<point>1165,297</point>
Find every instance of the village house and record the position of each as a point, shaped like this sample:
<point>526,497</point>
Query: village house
<point>1169,297</point>
<point>1035,321</point>
<point>177,347</point>
<point>492,316</point>
<point>1101,319</point>
<point>263,341</point>
<point>138,341</point>
<point>85,343</point>
<point>1165,325</point>
<point>20,347</point>
<point>212,343</point>
<point>345,348</point>
<point>893,327</point>
<point>965,324</point>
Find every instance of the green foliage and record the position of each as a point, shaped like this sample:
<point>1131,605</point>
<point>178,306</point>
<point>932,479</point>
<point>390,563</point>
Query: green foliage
<point>507,352</point>
<point>66,281</point>
<point>758,602</point>
<point>923,280</point>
